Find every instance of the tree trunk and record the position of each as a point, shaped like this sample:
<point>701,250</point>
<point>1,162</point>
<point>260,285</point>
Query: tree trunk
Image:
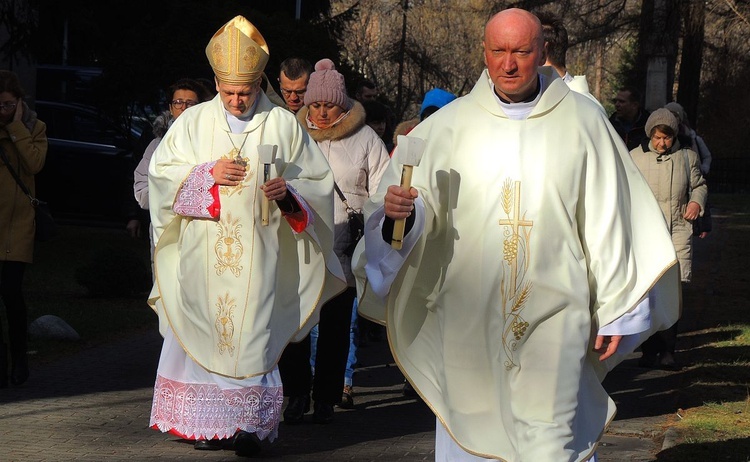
<point>599,76</point>
<point>659,32</point>
<point>401,56</point>
<point>688,92</point>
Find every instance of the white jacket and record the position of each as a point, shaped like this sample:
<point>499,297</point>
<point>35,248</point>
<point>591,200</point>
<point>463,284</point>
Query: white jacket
<point>358,159</point>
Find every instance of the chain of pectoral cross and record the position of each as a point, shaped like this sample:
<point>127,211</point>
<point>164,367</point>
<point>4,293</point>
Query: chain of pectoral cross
<point>236,154</point>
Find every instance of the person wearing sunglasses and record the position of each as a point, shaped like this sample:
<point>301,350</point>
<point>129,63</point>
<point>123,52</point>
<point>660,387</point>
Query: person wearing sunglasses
<point>23,151</point>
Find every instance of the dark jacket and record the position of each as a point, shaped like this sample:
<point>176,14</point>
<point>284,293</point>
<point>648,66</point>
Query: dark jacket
<point>633,134</point>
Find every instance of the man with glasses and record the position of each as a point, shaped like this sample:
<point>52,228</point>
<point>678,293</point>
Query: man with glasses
<point>293,76</point>
<point>629,119</point>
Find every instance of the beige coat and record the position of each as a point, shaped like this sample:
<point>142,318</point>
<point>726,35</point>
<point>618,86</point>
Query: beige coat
<point>667,176</point>
<point>25,145</point>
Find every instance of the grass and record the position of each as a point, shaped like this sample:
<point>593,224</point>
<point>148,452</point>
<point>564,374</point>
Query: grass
<point>713,422</point>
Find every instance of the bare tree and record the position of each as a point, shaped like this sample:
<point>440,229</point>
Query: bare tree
<point>19,19</point>
<point>409,47</point>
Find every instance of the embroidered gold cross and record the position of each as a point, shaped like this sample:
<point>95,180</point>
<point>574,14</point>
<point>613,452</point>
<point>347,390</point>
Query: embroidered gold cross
<point>515,222</point>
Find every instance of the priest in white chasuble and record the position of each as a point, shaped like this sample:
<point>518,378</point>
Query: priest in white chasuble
<point>535,258</point>
<point>244,256</point>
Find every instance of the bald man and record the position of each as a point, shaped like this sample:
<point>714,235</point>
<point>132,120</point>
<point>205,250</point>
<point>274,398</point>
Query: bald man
<point>535,259</point>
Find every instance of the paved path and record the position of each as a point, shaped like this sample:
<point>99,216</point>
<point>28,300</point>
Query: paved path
<point>95,404</point>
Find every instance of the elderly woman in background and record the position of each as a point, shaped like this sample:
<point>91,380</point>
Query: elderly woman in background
<point>673,172</point>
<point>358,159</point>
<point>23,151</point>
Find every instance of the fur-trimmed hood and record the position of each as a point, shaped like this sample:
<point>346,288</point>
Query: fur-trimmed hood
<point>404,128</point>
<point>344,128</point>
<point>162,123</point>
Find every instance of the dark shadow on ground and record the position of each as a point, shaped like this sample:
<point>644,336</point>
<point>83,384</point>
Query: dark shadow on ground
<point>736,450</point>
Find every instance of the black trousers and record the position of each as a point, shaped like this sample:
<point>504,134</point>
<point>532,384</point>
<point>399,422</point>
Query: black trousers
<point>11,283</point>
<point>664,341</point>
<point>330,360</point>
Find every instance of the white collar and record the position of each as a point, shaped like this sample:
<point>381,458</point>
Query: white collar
<point>520,111</point>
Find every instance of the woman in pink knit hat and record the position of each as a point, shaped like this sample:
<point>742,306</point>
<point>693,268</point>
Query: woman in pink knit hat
<point>358,159</point>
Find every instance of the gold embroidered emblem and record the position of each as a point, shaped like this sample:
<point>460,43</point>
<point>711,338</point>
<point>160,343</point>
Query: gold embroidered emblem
<point>514,291</point>
<point>218,54</point>
<point>224,324</point>
<point>250,58</point>
<point>228,247</point>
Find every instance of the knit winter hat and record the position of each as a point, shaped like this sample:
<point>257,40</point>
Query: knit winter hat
<point>662,116</point>
<point>327,85</point>
<point>677,110</point>
<point>436,97</point>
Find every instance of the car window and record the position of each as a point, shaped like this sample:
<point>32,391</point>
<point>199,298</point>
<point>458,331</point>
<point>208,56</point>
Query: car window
<point>74,124</point>
<point>93,130</point>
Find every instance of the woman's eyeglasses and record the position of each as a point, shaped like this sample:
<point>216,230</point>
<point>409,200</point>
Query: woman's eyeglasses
<point>7,107</point>
<point>182,103</point>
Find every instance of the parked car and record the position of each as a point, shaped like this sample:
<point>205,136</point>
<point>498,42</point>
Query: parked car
<point>67,83</point>
<point>88,176</point>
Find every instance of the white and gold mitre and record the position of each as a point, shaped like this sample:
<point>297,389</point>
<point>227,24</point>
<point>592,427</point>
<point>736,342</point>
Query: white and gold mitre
<point>237,52</point>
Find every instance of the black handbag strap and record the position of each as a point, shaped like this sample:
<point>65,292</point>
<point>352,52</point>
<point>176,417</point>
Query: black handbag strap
<point>342,197</point>
<point>4,157</point>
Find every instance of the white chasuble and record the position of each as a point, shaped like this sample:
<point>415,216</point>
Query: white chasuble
<point>235,292</point>
<point>536,233</point>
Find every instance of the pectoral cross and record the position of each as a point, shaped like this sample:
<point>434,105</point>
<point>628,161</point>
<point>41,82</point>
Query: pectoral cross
<point>515,222</point>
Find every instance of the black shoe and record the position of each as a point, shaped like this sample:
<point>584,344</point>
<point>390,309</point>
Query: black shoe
<point>246,444</point>
<point>19,372</point>
<point>347,398</point>
<point>667,362</point>
<point>323,413</point>
<point>208,445</point>
<point>648,361</point>
<point>19,363</point>
<point>296,409</point>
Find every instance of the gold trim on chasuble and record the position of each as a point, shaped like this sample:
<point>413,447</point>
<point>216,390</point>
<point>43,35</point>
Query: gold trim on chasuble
<point>224,323</point>
<point>514,290</point>
<point>228,246</point>
<point>228,249</point>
